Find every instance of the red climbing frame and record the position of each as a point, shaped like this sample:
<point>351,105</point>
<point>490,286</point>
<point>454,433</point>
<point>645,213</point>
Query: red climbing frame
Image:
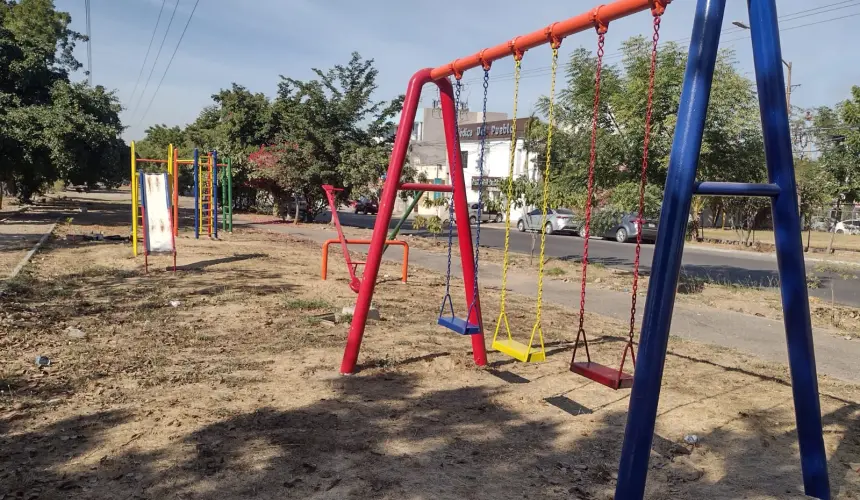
<point>386,206</point>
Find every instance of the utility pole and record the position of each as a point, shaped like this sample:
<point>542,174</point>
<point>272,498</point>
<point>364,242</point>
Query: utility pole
<point>787,64</point>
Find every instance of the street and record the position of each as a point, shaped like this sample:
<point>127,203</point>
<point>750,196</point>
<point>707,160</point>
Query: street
<point>716,266</point>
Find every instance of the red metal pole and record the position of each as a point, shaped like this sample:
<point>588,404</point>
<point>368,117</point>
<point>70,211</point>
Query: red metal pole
<point>175,198</point>
<point>461,215</point>
<point>383,219</point>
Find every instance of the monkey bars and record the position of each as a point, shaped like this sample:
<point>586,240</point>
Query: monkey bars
<point>598,17</point>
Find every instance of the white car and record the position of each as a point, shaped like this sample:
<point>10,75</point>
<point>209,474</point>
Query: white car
<point>851,226</point>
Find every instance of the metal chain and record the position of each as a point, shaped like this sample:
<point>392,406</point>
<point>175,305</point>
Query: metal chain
<point>550,113</point>
<point>509,194</point>
<point>592,160</point>
<point>644,179</point>
<point>447,298</point>
<point>474,304</point>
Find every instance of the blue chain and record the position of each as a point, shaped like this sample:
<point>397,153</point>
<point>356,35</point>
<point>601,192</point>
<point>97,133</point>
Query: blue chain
<point>447,298</point>
<point>474,304</point>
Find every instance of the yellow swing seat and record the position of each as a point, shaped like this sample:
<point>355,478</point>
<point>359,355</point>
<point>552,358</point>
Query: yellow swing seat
<point>519,351</point>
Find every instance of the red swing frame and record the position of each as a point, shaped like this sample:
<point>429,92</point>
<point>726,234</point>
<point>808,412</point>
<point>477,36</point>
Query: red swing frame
<point>552,34</point>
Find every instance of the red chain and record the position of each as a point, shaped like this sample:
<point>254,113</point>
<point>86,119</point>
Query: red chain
<point>592,160</point>
<point>644,179</point>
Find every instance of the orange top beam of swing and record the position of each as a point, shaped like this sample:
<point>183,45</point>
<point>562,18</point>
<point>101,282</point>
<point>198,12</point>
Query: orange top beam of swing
<point>552,34</point>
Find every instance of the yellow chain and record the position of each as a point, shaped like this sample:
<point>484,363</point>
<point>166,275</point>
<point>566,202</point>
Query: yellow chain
<point>503,316</point>
<point>537,326</point>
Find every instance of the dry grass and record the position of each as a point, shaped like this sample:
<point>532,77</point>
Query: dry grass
<point>817,239</point>
<point>235,394</point>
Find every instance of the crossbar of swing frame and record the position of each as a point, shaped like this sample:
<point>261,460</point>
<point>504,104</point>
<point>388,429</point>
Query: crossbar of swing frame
<point>599,16</point>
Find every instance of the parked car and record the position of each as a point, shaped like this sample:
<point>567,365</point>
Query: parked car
<point>557,220</point>
<point>486,215</point>
<point>850,226</point>
<point>820,224</point>
<point>626,227</point>
<point>366,206</point>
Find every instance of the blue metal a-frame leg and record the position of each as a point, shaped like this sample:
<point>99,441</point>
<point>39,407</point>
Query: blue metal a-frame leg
<point>680,187</point>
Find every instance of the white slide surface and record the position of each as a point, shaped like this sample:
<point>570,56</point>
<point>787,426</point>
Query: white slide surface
<point>159,230</point>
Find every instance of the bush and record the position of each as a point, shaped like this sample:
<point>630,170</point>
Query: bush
<point>605,219</point>
<point>434,225</point>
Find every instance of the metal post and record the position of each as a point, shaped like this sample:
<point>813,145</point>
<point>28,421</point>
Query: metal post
<point>394,232</point>
<point>788,88</point>
<point>214,168</point>
<point>175,197</point>
<point>134,201</point>
<point>383,218</point>
<point>196,173</point>
<point>666,266</point>
<point>229,195</point>
<point>767,57</point>
<point>461,214</point>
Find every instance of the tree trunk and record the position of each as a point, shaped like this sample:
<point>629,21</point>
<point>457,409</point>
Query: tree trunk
<point>808,237</point>
<point>296,219</point>
<point>532,254</point>
<point>833,233</point>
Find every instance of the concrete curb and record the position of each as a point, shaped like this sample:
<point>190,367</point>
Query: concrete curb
<point>31,253</point>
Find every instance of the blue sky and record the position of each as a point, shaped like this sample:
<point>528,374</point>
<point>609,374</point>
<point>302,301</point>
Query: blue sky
<point>252,42</point>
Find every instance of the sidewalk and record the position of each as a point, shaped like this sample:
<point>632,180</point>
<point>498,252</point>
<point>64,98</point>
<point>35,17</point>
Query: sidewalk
<point>19,234</point>
<point>761,337</point>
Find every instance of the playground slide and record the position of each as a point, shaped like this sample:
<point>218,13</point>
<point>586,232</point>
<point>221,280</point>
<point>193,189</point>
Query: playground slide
<point>155,194</point>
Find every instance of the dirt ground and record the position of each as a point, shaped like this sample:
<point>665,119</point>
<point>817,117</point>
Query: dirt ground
<point>221,382</point>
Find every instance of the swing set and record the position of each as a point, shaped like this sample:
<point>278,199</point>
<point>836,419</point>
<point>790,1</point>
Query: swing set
<point>680,186</point>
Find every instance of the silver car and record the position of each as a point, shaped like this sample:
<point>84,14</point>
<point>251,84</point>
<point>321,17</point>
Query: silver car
<point>486,215</point>
<point>557,220</point>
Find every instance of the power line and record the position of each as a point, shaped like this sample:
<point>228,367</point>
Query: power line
<point>175,50</point>
<point>89,45</point>
<point>148,49</point>
<point>155,62</point>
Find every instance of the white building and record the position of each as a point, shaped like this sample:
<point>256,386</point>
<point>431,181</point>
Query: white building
<point>428,154</point>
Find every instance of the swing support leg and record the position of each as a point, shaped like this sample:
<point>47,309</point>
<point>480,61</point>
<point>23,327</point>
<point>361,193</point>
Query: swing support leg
<point>665,269</point>
<point>386,206</point>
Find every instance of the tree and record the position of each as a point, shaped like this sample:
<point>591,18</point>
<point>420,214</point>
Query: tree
<point>50,128</point>
<point>732,147</point>
<point>812,191</point>
<point>837,134</point>
<point>340,135</point>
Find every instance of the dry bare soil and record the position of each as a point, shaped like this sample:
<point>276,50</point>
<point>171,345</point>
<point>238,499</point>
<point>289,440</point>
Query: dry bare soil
<point>221,382</point>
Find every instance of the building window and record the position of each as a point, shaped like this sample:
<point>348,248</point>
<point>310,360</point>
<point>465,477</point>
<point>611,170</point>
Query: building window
<point>464,159</point>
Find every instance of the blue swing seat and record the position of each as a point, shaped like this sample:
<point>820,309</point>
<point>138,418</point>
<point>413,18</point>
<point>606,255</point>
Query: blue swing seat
<point>459,325</point>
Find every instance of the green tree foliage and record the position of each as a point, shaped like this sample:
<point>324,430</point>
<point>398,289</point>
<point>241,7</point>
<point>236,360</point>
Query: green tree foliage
<point>337,134</point>
<point>837,134</point>
<point>326,130</point>
<point>50,128</point>
<point>732,148</point>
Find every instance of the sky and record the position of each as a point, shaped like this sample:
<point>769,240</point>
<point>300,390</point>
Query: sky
<point>253,42</point>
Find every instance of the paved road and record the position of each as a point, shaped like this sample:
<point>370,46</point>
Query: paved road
<point>715,266</point>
